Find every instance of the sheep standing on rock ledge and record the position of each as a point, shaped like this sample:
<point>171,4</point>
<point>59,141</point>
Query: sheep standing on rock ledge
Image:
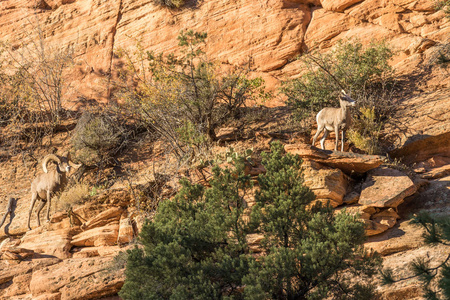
<point>44,186</point>
<point>331,118</point>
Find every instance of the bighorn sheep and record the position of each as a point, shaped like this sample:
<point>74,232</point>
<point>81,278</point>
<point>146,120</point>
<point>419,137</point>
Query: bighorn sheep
<point>331,118</point>
<point>44,186</point>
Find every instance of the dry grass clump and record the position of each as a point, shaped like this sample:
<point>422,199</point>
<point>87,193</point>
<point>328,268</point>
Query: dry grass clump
<point>73,195</point>
<point>170,3</point>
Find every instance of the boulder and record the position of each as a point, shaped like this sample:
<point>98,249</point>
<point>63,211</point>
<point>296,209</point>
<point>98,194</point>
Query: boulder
<point>56,243</point>
<point>325,182</point>
<point>421,147</point>
<point>85,252</point>
<point>108,216</point>
<point>386,187</point>
<point>364,212</point>
<point>436,173</point>
<point>432,163</point>
<point>401,238</point>
<point>377,220</point>
<point>82,278</point>
<point>346,161</point>
<point>99,236</point>
<point>374,228</point>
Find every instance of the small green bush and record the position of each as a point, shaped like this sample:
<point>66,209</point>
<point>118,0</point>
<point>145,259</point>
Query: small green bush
<point>366,132</point>
<point>443,5</point>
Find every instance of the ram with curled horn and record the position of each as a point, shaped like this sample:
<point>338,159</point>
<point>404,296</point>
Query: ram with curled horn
<point>45,185</point>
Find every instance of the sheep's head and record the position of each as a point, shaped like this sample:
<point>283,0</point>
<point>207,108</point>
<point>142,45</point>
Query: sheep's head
<point>346,99</point>
<point>64,162</point>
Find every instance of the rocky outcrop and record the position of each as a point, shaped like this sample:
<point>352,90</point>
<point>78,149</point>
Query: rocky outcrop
<point>271,33</point>
<point>325,173</point>
<point>386,187</point>
<point>83,278</point>
<point>328,184</point>
<point>60,260</point>
<point>348,162</point>
<point>420,128</point>
<point>55,243</point>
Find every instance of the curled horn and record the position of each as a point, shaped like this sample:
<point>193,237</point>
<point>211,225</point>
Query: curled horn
<point>47,159</point>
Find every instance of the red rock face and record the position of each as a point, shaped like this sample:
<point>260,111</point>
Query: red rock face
<point>273,33</point>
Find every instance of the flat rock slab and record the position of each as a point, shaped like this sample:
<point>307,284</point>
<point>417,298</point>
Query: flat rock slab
<point>55,243</point>
<point>81,278</point>
<point>346,161</point>
<point>99,236</point>
<point>386,187</point>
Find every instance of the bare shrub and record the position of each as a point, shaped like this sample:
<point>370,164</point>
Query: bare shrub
<point>98,137</point>
<point>32,85</point>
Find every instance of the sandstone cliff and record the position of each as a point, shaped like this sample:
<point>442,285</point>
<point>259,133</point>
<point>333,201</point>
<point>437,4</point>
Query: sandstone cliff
<point>70,257</point>
<point>271,32</point>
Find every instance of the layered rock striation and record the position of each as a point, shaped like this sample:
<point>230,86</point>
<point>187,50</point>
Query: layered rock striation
<point>271,33</point>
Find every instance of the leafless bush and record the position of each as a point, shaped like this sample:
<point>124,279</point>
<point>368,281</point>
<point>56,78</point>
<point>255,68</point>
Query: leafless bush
<point>32,85</point>
<point>98,137</point>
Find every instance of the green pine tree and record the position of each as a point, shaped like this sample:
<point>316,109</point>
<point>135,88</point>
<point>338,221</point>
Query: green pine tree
<point>311,252</point>
<point>195,248</point>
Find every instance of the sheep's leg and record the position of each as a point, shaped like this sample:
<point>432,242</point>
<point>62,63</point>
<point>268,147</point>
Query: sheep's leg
<point>33,200</point>
<point>41,206</point>
<point>342,140</point>
<point>336,131</point>
<point>322,141</point>
<point>319,129</point>
<point>49,200</point>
